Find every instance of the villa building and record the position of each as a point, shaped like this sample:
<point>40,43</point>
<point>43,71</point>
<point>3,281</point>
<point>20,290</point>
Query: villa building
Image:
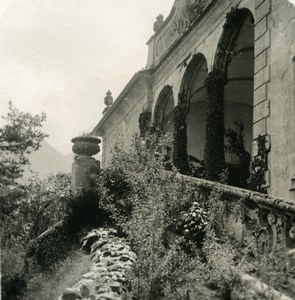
<point>225,62</point>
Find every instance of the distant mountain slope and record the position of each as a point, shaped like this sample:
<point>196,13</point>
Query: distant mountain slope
<point>48,160</point>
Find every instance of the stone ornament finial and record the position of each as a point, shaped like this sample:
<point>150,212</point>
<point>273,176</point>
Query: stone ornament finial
<point>108,101</point>
<point>159,22</point>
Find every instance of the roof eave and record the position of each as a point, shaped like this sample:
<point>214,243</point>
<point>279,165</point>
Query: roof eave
<point>137,76</point>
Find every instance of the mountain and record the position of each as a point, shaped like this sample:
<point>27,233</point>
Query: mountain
<point>46,161</point>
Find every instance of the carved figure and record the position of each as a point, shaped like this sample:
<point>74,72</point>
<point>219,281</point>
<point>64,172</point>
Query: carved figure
<point>158,23</point>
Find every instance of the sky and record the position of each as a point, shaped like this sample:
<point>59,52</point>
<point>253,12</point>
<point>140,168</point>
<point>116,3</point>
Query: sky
<point>61,57</point>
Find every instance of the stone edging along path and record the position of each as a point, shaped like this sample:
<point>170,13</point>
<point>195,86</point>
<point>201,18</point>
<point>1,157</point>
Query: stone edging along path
<point>111,260</point>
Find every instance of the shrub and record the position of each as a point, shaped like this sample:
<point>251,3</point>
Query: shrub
<point>51,283</point>
<point>195,221</point>
<point>31,208</point>
<point>174,229</point>
<point>154,209</point>
<point>28,210</point>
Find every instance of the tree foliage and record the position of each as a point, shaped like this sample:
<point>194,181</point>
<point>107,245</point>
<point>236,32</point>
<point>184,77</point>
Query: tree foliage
<point>20,135</point>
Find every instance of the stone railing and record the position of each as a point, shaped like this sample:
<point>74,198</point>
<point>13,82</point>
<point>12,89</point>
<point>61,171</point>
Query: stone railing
<point>260,221</point>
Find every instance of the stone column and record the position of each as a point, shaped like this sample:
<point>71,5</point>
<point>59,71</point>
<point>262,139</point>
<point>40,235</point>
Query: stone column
<point>84,147</point>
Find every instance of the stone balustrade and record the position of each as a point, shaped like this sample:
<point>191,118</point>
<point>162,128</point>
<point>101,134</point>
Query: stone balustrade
<point>265,223</point>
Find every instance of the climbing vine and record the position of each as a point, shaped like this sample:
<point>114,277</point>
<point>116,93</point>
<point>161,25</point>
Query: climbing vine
<point>235,145</point>
<point>254,178</point>
<point>214,144</point>
<point>259,166</point>
<point>197,167</point>
<point>180,156</point>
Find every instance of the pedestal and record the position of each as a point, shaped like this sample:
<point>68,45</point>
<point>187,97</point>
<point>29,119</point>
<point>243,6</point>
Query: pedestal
<point>81,169</point>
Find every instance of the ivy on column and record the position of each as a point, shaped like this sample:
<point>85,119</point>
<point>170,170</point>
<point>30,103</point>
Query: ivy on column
<point>180,156</point>
<point>214,144</point>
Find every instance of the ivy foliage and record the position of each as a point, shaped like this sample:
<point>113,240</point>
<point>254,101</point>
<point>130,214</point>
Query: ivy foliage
<point>259,166</point>
<point>238,175</point>
<point>214,145</point>
<point>197,167</point>
<point>180,156</point>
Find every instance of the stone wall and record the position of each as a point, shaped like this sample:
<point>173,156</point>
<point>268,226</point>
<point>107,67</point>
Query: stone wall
<point>122,124</point>
<point>261,110</point>
<point>280,96</point>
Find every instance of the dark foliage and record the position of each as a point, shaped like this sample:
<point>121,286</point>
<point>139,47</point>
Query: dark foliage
<point>180,156</point>
<point>260,166</point>
<point>238,175</point>
<point>83,212</point>
<point>214,146</point>
<point>117,190</point>
<point>197,167</point>
<point>144,122</point>
<point>13,287</point>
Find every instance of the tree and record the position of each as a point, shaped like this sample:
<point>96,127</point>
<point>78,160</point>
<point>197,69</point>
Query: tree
<point>20,135</point>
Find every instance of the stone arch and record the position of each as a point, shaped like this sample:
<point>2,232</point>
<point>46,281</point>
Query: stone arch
<point>163,112</point>
<point>234,63</point>
<point>194,94</point>
<point>235,21</point>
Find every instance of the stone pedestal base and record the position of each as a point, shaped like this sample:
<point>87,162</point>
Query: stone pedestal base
<point>81,169</point>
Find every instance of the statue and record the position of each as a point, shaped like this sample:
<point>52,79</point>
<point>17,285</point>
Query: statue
<point>158,23</point>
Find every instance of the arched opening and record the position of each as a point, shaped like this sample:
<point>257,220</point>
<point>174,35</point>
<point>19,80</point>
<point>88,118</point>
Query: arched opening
<point>234,63</point>
<point>238,92</point>
<point>193,89</point>
<point>163,116</point>
<point>163,119</point>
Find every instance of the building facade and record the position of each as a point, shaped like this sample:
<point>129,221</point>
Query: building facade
<point>240,53</point>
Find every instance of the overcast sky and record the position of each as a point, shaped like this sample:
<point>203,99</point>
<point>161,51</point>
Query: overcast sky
<point>61,56</point>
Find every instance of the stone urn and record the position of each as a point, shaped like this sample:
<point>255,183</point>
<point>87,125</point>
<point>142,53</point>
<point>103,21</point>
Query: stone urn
<point>86,145</point>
